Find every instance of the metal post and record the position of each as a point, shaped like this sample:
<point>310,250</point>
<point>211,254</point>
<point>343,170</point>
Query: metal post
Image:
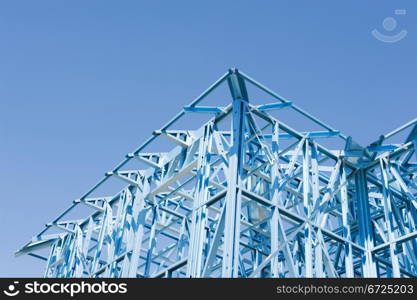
<point>237,87</point>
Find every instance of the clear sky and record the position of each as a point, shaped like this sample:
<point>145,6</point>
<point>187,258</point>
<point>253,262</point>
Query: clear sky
<point>84,82</point>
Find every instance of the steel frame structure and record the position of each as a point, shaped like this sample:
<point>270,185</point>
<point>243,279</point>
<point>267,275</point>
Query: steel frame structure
<point>246,195</point>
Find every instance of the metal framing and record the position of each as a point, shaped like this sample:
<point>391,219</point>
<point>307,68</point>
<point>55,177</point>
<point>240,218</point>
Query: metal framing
<point>257,199</point>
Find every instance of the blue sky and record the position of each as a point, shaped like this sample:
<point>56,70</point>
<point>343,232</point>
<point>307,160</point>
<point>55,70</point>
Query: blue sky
<point>84,82</point>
